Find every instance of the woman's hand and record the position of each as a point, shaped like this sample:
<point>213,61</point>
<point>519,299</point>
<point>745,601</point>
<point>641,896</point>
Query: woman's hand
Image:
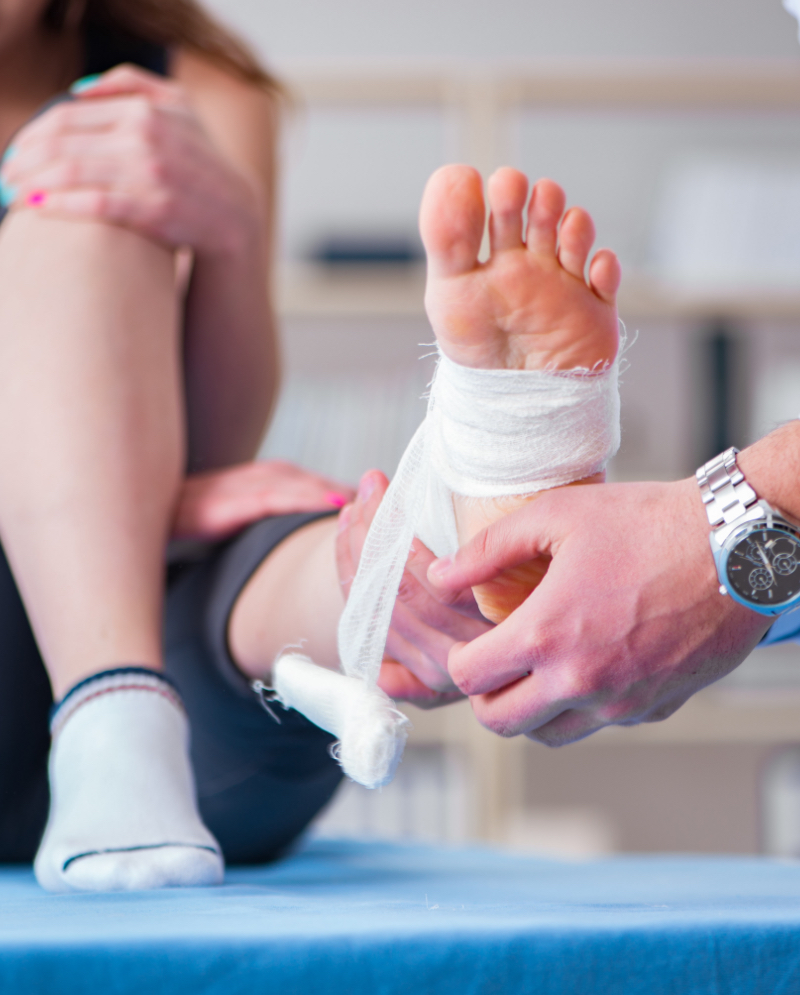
<point>425,626</point>
<point>130,150</point>
<point>216,504</point>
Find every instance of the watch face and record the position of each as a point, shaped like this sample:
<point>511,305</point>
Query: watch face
<point>764,567</point>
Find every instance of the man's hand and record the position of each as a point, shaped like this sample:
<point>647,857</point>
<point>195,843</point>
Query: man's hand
<point>425,625</point>
<point>627,624</point>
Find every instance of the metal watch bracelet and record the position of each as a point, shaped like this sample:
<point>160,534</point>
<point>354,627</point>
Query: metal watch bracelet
<point>725,492</point>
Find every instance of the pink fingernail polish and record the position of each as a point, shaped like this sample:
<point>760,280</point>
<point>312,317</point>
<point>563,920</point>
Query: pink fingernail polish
<point>36,199</point>
<point>337,500</point>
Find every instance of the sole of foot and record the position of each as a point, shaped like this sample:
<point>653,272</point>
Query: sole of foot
<point>532,305</point>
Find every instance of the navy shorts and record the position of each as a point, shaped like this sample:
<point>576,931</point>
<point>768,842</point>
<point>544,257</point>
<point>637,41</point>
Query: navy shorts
<point>259,783</point>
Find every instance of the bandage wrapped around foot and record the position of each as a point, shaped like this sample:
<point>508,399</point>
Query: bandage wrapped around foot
<point>487,434</point>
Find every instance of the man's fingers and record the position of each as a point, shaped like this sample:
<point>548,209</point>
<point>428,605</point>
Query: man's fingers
<point>423,604</point>
<point>419,653</point>
<point>497,658</point>
<point>462,602</point>
<point>509,542</point>
<point>400,684</point>
<point>568,727</point>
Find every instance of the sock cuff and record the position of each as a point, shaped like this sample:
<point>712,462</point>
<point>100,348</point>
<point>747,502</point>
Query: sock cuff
<point>118,679</point>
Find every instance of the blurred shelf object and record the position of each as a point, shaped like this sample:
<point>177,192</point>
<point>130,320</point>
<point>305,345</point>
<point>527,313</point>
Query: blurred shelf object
<point>307,290</point>
<point>480,103</point>
<point>683,85</point>
<point>716,715</point>
<point>381,290</point>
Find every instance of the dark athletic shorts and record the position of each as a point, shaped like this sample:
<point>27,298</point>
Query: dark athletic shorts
<point>259,783</point>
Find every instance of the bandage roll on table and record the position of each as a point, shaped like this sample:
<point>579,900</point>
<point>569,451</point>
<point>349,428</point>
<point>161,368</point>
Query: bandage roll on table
<point>487,434</point>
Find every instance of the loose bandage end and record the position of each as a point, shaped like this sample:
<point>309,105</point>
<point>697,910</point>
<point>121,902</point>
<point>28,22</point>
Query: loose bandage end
<point>371,731</point>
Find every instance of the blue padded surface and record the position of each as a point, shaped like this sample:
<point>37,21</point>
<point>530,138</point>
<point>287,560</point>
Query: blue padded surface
<point>348,917</point>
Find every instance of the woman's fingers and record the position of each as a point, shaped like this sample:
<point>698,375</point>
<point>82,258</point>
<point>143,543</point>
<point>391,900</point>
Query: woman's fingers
<point>127,79</point>
<point>213,505</point>
<point>139,159</point>
<point>354,523</point>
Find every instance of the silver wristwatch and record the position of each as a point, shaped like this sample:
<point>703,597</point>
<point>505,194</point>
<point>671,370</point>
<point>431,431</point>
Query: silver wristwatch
<point>756,550</point>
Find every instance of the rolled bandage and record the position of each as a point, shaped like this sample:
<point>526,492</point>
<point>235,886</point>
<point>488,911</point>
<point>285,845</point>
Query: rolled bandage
<point>487,434</point>
<point>370,730</point>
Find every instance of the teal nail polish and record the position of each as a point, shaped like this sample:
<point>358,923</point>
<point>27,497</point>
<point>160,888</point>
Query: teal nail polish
<point>9,153</point>
<point>8,194</point>
<point>84,83</point>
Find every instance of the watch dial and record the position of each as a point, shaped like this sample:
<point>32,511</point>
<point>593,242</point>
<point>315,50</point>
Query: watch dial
<point>764,567</point>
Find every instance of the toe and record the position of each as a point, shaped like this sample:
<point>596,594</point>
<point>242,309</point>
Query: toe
<point>507,190</point>
<point>451,220</point>
<point>544,212</point>
<point>575,241</point>
<point>605,274</point>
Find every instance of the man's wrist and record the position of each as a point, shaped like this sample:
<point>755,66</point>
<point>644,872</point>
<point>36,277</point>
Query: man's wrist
<point>772,468</point>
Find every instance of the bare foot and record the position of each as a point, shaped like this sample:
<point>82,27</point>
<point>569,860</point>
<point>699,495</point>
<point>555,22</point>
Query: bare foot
<point>529,307</point>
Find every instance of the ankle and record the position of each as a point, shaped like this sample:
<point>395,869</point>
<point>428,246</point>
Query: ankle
<point>128,678</point>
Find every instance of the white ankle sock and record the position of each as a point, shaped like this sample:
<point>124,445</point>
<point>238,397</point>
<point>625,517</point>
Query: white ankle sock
<point>123,813</point>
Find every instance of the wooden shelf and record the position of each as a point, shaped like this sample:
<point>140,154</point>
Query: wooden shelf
<point>627,85</point>
<point>397,291</point>
<point>711,716</point>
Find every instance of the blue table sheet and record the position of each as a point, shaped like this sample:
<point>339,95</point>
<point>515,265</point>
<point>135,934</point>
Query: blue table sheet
<point>359,917</point>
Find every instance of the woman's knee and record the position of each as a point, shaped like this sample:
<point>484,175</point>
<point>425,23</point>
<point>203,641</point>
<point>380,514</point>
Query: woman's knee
<point>87,255</point>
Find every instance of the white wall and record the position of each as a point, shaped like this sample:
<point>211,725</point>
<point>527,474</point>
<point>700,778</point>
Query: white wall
<point>502,31</point>
<point>349,171</point>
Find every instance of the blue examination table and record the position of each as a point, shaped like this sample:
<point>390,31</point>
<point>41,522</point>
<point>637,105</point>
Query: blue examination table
<point>358,917</point>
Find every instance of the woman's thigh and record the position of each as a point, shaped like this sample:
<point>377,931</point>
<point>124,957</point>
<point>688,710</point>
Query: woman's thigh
<point>25,702</point>
<point>259,781</point>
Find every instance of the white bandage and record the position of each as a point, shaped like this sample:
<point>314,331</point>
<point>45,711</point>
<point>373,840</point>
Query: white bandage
<point>370,730</point>
<point>488,433</point>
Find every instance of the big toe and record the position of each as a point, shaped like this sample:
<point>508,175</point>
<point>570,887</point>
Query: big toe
<point>451,220</point>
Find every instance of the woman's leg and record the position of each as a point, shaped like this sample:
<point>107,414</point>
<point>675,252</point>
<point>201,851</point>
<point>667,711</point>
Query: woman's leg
<point>25,702</point>
<point>259,782</point>
<point>92,451</point>
<point>91,437</point>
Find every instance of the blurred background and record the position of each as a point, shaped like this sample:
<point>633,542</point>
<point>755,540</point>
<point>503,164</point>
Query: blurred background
<point>677,125</point>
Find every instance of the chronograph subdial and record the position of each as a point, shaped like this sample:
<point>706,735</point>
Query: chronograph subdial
<point>785,564</point>
<point>760,579</point>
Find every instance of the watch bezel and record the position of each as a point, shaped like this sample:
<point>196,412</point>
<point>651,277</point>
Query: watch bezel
<point>770,520</point>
